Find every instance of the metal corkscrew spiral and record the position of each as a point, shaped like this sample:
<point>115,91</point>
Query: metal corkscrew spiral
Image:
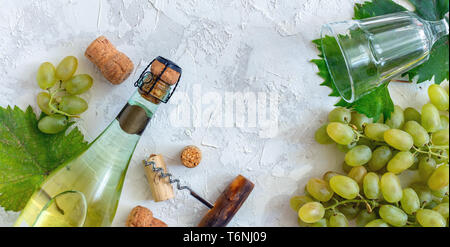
<point>172,180</point>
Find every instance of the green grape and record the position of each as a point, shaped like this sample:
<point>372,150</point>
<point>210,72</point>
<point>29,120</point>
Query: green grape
<point>371,186</point>
<point>377,223</point>
<point>444,122</point>
<point>73,105</point>
<point>52,124</point>
<point>431,120</point>
<point>364,217</point>
<point>297,202</point>
<point>430,218</point>
<point>360,120</point>
<point>400,162</point>
<point>350,210</point>
<point>341,133</point>
<point>440,137</point>
<point>410,201</point>
<point>346,148</point>
<point>375,131</point>
<point>445,199</point>
<point>319,189</point>
<point>358,156</point>
<point>380,157</point>
<point>391,188</point>
<point>358,173</point>
<point>438,97</point>
<point>439,178</point>
<point>423,192</point>
<point>441,192</point>
<point>321,223</point>
<point>397,119</point>
<point>344,186</point>
<point>427,166</point>
<point>46,76</point>
<point>442,209</point>
<point>311,212</point>
<point>79,84</point>
<point>346,167</point>
<point>43,98</point>
<point>328,175</point>
<point>411,114</point>
<point>66,68</point>
<point>393,215</point>
<point>398,139</point>
<point>341,115</point>
<point>415,165</point>
<point>418,133</point>
<point>338,220</point>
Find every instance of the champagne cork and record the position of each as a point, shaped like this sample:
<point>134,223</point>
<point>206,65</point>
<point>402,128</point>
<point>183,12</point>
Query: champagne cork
<point>143,217</point>
<point>114,65</point>
<point>161,188</point>
<point>168,73</point>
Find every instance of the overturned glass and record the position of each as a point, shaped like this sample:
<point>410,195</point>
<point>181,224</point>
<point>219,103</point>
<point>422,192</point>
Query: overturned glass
<point>363,54</point>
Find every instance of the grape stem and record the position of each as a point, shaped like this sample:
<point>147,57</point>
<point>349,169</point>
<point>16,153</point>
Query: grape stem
<point>429,152</point>
<point>369,204</point>
<point>53,109</point>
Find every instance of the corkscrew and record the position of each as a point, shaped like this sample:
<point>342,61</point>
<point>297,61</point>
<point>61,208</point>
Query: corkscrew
<point>177,181</point>
<point>219,214</point>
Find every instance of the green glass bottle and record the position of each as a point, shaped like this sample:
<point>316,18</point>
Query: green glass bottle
<point>85,191</point>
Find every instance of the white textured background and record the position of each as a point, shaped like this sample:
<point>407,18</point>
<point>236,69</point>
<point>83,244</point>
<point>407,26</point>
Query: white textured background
<point>223,45</point>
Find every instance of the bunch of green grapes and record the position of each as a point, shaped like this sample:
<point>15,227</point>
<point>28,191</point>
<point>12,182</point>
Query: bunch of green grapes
<point>60,101</point>
<point>370,191</point>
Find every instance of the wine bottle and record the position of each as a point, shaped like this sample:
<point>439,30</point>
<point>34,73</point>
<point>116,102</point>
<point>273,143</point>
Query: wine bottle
<point>85,191</point>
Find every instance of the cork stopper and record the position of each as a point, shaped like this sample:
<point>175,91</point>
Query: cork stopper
<point>164,74</point>
<point>143,217</point>
<point>191,156</point>
<point>115,66</point>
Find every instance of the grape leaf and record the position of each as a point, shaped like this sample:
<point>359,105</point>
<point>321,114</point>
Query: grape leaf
<point>373,104</point>
<point>27,155</point>
<point>376,8</point>
<point>379,102</point>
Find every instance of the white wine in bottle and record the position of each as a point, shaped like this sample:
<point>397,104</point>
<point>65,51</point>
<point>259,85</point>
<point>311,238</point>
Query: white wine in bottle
<point>85,191</point>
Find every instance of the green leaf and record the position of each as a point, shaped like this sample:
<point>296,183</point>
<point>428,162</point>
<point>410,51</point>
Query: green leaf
<point>432,10</point>
<point>373,105</point>
<point>376,8</point>
<point>27,155</point>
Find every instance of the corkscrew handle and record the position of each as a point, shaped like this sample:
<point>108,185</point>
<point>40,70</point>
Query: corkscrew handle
<point>228,204</point>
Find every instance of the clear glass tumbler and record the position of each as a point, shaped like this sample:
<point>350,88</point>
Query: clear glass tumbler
<point>363,54</point>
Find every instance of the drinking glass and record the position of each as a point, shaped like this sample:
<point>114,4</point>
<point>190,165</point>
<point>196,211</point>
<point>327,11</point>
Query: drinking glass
<point>363,54</point>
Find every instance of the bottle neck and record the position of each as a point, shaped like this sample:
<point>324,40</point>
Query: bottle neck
<point>136,114</point>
